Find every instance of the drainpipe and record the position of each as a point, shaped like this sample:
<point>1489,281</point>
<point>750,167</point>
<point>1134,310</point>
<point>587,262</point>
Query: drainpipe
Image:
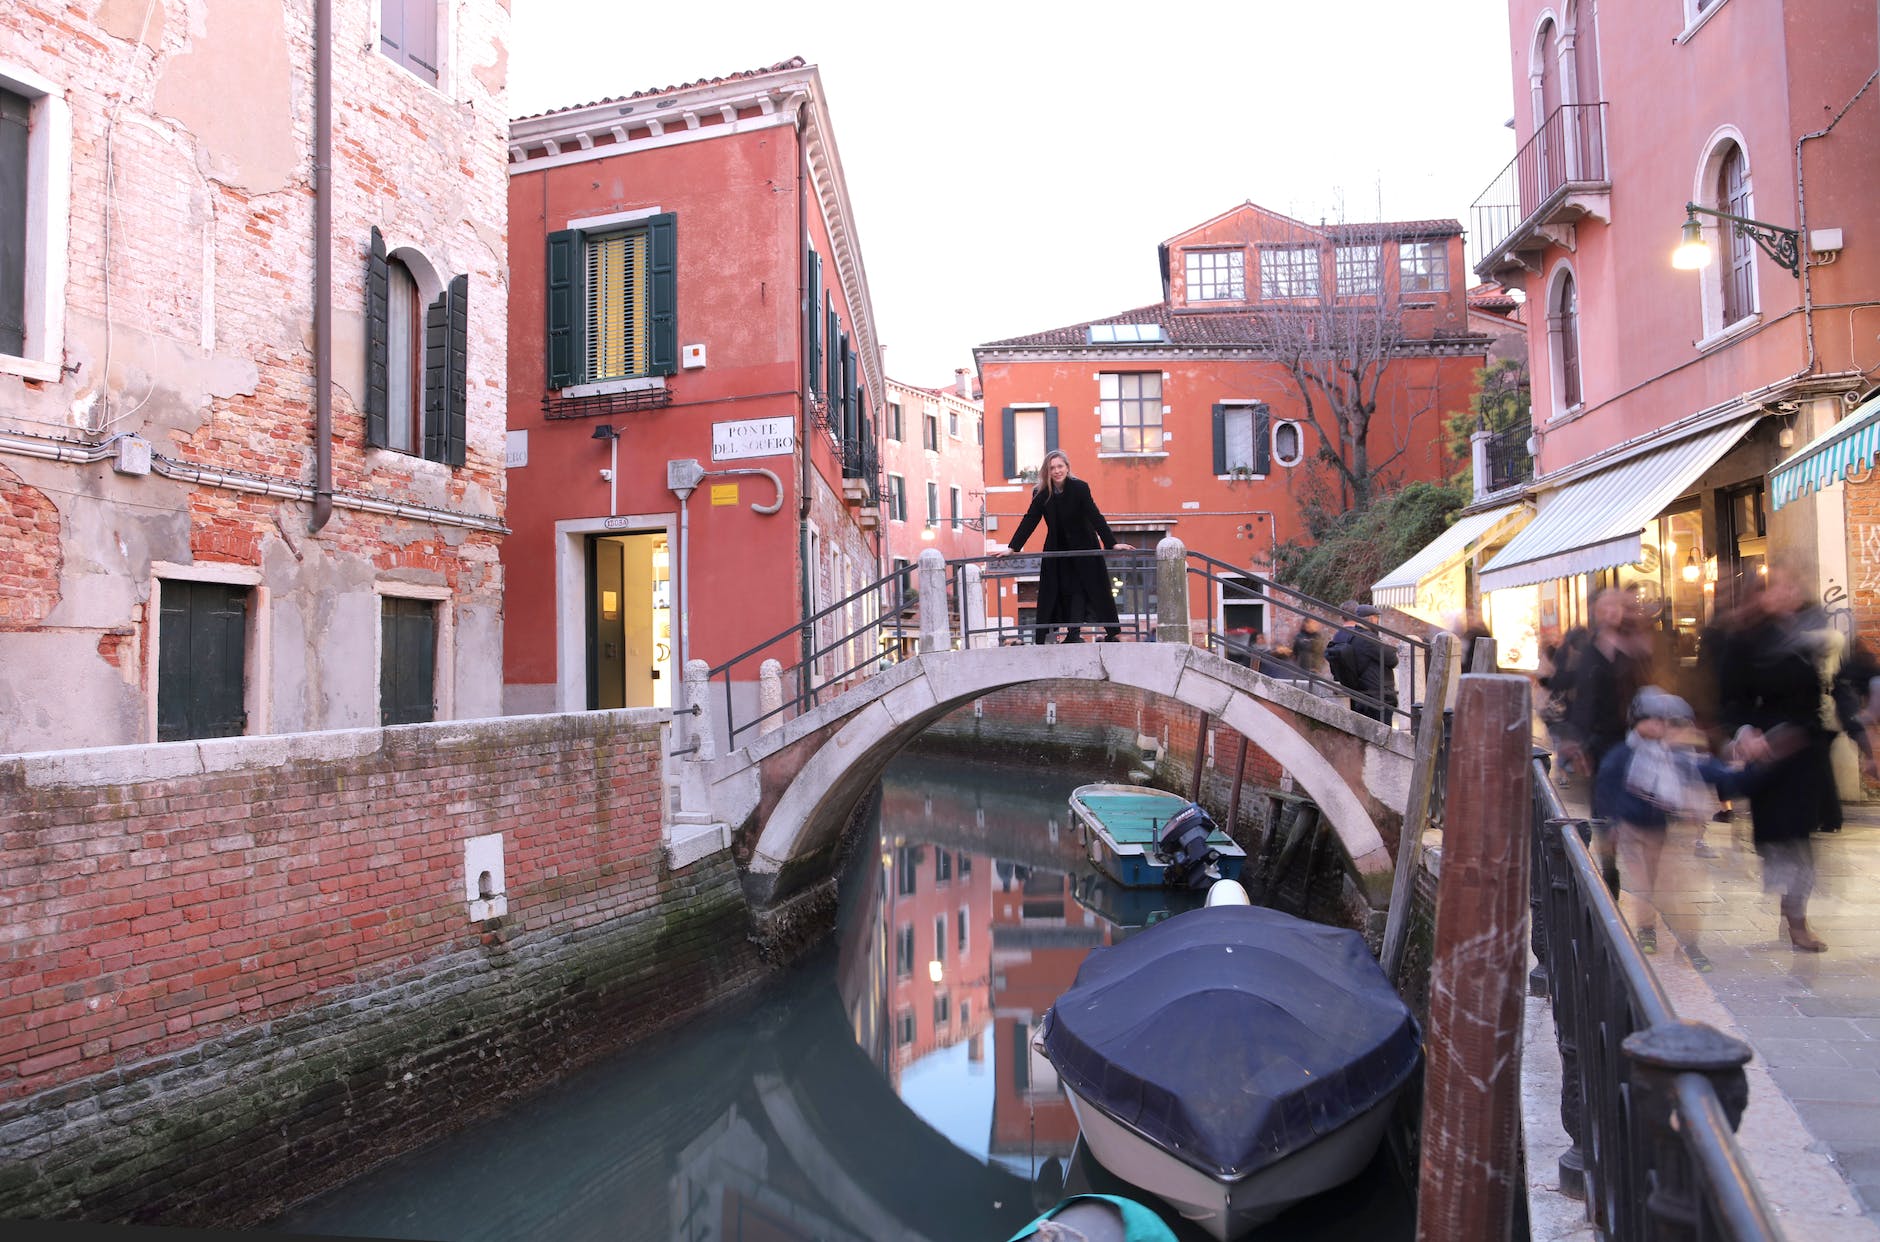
<point>1801,221</point>
<point>322,265</point>
<point>803,380</point>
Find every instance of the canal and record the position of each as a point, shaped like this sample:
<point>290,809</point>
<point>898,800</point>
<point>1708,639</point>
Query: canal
<point>885,1089</point>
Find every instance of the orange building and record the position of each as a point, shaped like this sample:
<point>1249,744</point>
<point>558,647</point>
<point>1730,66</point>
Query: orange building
<point>1665,398</point>
<point>693,386</point>
<point>1185,416</point>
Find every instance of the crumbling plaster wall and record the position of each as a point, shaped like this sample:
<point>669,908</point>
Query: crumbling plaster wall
<point>189,324</point>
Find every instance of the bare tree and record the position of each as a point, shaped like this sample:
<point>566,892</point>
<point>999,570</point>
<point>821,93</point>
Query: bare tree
<point>1338,351</point>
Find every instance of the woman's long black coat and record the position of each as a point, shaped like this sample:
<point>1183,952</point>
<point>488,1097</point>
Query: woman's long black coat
<point>1770,678</point>
<point>1071,524</point>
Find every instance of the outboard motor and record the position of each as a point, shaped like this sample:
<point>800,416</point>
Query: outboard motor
<point>1183,843</point>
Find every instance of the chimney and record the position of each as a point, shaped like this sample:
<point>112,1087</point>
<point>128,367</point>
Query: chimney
<point>963,382</point>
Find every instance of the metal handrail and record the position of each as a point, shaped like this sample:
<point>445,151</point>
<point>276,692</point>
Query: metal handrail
<point>1568,149</point>
<point>1651,1102</point>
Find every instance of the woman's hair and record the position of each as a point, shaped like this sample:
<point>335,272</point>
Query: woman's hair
<point>1044,471</point>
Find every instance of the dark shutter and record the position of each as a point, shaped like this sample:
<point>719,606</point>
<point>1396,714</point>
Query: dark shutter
<point>436,376</point>
<point>1220,439</point>
<point>457,371</point>
<point>833,386</point>
<point>1050,428</point>
<point>378,337</point>
<point>566,323</point>
<point>200,652</point>
<point>814,311</point>
<point>407,659</point>
<point>1262,440</point>
<point>1008,421</point>
<point>663,244</point>
<point>851,429</point>
<point>16,113</point>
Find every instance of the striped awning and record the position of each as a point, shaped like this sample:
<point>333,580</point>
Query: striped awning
<point>1598,521</point>
<point>1398,588</point>
<point>1849,445</point>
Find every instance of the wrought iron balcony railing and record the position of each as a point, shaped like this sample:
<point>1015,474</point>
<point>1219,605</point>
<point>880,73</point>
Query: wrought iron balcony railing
<point>1567,153</point>
<point>1509,462</point>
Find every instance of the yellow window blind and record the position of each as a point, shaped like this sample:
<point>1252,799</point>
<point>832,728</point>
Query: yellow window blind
<point>617,306</point>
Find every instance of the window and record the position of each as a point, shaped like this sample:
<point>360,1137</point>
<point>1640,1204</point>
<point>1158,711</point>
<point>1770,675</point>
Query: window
<point>407,660</point>
<point>1030,433</point>
<point>966,1012</point>
<point>966,865</point>
<point>1289,272</point>
<point>942,1009</point>
<point>202,639</point>
<point>417,360</point>
<point>408,34</point>
<point>1423,266</point>
<point>894,420</point>
<point>930,432</point>
<point>1131,411</point>
<point>940,939</point>
<point>1738,274</point>
<point>903,578</point>
<point>612,292</point>
<point>953,422</point>
<point>897,498</point>
<point>904,1028</point>
<point>942,866</point>
<point>1240,439</point>
<point>962,928</point>
<point>1360,271</point>
<point>1288,444</point>
<point>904,951</point>
<point>933,503</point>
<point>35,210</point>
<point>1216,275</point>
<point>953,507</point>
<point>1125,334</point>
<point>1563,325</point>
<point>979,430</point>
<point>906,861</point>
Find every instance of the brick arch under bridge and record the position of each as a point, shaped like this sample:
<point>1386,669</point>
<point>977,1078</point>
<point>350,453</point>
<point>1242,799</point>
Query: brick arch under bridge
<point>787,796</point>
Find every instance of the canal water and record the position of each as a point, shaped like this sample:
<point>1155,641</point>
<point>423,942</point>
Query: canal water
<point>886,1090</point>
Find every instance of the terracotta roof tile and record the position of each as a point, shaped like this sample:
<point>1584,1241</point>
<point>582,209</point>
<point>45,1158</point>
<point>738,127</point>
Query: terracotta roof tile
<point>1183,328</point>
<point>795,62</point>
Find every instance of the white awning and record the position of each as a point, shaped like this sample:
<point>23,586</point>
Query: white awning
<point>1850,444</point>
<point>1596,522</point>
<point>1398,588</point>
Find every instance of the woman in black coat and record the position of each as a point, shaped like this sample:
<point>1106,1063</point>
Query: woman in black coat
<point>1072,590</point>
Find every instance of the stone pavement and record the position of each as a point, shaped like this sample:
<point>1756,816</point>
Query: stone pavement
<point>1811,1134</point>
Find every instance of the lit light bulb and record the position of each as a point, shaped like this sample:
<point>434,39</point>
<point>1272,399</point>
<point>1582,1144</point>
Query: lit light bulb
<point>1693,251</point>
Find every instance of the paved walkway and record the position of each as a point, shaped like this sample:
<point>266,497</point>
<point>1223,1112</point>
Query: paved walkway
<point>1813,1019</point>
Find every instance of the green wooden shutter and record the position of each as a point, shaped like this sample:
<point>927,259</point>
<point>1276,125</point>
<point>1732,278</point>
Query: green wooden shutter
<point>436,376</point>
<point>1050,428</point>
<point>833,388</point>
<point>16,114</point>
<point>1008,421</point>
<point>407,661</point>
<point>457,371</point>
<point>1262,440</point>
<point>1220,439</point>
<point>201,649</point>
<point>814,311</point>
<point>662,243</point>
<point>378,338</point>
<point>851,429</point>
<point>567,324</point>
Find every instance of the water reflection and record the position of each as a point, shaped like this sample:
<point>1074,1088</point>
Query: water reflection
<point>887,1090</point>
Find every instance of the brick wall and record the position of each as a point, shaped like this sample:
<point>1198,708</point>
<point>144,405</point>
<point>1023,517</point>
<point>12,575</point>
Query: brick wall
<point>238,971</point>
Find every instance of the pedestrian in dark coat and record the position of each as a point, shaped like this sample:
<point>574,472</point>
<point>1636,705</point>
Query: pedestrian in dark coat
<point>1073,591</point>
<point>1364,665</point>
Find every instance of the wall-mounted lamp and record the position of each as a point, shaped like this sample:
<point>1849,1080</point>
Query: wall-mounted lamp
<point>1690,572</point>
<point>1693,252</point>
<point>605,431</point>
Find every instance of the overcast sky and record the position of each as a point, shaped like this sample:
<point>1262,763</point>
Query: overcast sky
<point>1013,164</point>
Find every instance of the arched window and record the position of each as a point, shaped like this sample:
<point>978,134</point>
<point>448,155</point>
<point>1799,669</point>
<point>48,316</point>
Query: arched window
<point>1563,334</point>
<point>1736,258</point>
<point>404,365</point>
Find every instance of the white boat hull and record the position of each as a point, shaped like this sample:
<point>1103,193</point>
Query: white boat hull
<point>1229,1209</point>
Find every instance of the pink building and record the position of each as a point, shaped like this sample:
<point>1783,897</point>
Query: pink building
<point>1665,397</point>
<point>933,486</point>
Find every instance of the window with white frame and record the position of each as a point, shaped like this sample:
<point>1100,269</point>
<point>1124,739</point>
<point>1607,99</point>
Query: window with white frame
<point>1215,275</point>
<point>35,208</point>
<point>408,35</point>
<point>1130,411</point>
<point>953,422</point>
<point>930,432</point>
<point>1289,272</point>
<point>963,934</point>
<point>904,951</point>
<point>1736,267</point>
<point>612,291</point>
<point>953,507</point>
<point>1360,270</point>
<point>933,503</point>
<point>1563,340</point>
<point>417,357</point>
<point>893,430</point>
<point>897,498</point>
<point>1423,266</point>
<point>1288,443</point>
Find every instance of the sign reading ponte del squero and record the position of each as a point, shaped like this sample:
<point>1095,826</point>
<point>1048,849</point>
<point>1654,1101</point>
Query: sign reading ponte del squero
<point>753,437</point>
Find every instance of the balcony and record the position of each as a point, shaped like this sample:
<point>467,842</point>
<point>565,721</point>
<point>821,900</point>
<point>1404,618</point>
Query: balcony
<point>1509,463</point>
<point>1555,180</point>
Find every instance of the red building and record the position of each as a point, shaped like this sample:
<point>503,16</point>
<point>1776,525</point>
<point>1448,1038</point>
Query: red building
<point>1185,416</point>
<point>693,385</point>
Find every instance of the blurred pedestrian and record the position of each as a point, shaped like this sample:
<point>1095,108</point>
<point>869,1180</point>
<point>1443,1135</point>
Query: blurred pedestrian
<point>1606,673</point>
<point>1364,663</point>
<point>1308,646</point>
<point>1853,693</point>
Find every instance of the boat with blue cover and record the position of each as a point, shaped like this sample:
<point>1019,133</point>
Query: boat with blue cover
<point>1145,838</point>
<point>1232,1060</point>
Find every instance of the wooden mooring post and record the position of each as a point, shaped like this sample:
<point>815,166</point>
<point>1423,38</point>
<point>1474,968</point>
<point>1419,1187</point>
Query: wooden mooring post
<point>1471,1166</point>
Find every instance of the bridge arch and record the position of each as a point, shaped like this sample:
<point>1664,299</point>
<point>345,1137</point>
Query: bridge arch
<point>796,787</point>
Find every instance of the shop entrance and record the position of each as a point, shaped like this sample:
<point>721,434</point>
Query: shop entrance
<point>629,632</point>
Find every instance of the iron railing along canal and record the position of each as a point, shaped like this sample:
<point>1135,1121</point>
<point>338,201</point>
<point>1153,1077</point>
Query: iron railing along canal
<point>1651,1102</point>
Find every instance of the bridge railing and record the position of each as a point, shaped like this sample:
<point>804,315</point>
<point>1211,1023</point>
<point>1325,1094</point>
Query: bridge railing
<point>1650,1102</point>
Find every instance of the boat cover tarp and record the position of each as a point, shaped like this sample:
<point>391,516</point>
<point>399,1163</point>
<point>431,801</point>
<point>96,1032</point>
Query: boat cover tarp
<point>1233,1036</point>
<point>1138,816</point>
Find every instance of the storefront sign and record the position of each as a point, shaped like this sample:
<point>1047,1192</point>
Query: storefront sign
<point>753,437</point>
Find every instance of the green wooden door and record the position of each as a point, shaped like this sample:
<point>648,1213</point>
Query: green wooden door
<point>407,657</point>
<point>200,660</point>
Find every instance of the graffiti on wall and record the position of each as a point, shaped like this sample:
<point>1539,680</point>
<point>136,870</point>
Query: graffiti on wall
<point>1867,553</point>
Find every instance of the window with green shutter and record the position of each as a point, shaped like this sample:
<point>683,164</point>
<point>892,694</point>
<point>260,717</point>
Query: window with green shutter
<point>202,635</point>
<point>407,660</point>
<point>417,361</point>
<point>613,302</point>
<point>15,143</point>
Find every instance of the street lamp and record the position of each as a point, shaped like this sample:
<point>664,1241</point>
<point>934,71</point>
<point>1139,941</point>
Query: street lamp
<point>1693,252</point>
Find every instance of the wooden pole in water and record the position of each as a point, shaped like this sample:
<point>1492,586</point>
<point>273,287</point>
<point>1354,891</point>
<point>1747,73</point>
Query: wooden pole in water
<point>1201,757</point>
<point>1471,1164</point>
<point>1416,808</point>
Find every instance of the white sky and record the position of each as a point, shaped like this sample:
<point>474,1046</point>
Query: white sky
<point>1013,164</point>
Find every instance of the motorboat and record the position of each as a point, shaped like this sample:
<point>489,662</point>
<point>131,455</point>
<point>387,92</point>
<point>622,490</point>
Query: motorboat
<point>1232,1060</point>
<point>1146,838</point>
